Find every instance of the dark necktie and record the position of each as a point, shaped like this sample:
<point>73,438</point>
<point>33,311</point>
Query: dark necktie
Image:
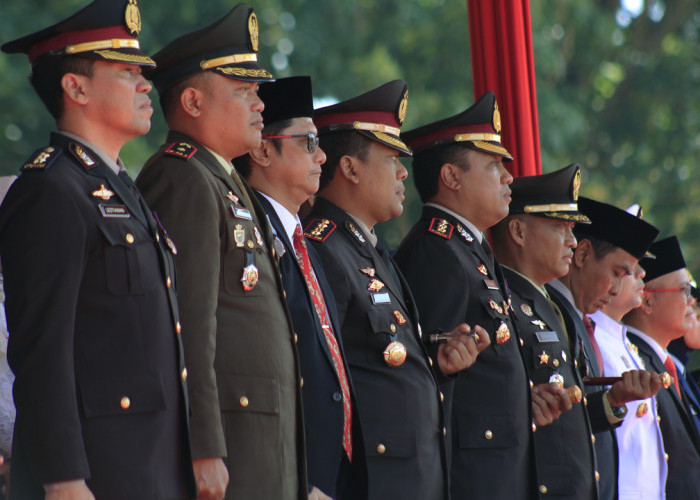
<point>489,253</point>
<point>590,329</point>
<point>333,346</point>
<point>126,180</point>
<point>386,259</point>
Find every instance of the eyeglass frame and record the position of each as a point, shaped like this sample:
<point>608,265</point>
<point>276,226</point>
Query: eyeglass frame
<point>687,289</point>
<point>311,140</point>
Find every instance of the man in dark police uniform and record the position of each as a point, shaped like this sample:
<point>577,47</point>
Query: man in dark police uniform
<point>100,391</point>
<point>397,393</point>
<point>534,244</point>
<point>285,170</point>
<point>245,388</point>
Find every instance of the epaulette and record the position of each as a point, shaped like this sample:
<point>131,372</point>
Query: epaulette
<point>319,229</point>
<point>182,150</point>
<point>82,156</point>
<point>42,158</point>
<point>441,227</point>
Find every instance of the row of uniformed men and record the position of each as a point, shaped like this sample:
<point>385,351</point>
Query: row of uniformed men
<point>272,321</point>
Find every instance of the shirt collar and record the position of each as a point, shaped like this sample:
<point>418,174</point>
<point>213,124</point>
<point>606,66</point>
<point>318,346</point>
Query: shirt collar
<point>115,167</point>
<point>228,166</point>
<point>606,323</point>
<point>470,226</point>
<point>289,220</point>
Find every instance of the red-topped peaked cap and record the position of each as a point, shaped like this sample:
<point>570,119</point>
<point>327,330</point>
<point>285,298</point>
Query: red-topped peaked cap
<point>478,127</point>
<point>377,114</point>
<point>105,30</point>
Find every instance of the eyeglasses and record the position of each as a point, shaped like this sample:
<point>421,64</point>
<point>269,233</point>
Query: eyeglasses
<point>685,289</point>
<point>311,140</point>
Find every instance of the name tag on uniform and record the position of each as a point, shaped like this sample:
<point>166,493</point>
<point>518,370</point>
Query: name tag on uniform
<point>114,211</point>
<point>380,298</point>
<point>491,284</point>
<point>241,213</point>
<point>547,336</point>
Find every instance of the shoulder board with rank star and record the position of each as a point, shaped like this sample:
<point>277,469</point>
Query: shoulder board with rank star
<point>181,150</point>
<point>42,158</point>
<point>319,229</point>
<point>441,227</point>
<point>82,156</point>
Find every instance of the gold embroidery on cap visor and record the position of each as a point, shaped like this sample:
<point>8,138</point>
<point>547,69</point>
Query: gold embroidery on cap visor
<point>132,18</point>
<point>561,211</point>
<point>232,59</point>
<point>243,72</point>
<point>253,31</point>
<point>114,43</point>
<point>113,55</point>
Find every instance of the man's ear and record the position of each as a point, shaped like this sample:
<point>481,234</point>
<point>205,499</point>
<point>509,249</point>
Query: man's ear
<point>191,101</point>
<point>349,168</point>
<point>582,252</point>
<point>261,154</point>
<point>449,176</point>
<point>75,87</point>
<point>518,230</point>
<point>647,305</point>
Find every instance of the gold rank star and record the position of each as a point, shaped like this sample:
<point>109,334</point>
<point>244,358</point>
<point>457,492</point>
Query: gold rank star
<point>544,358</point>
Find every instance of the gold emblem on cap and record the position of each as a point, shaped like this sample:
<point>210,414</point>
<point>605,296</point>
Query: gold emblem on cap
<point>132,18</point>
<point>502,334</point>
<point>395,353</point>
<point>496,118</point>
<point>576,185</point>
<point>253,31</point>
<point>402,107</point>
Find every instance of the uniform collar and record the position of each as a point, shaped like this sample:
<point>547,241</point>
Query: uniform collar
<point>560,287</point>
<point>115,167</point>
<point>369,233</point>
<point>227,165</point>
<point>537,287</point>
<point>472,228</point>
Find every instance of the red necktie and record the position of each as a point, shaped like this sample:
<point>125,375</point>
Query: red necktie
<point>590,328</point>
<point>671,369</point>
<point>333,347</point>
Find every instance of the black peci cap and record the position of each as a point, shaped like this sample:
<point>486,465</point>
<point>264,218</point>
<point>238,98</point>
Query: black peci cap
<point>553,195</point>
<point>287,98</point>
<point>478,127</point>
<point>229,47</point>
<point>616,226</point>
<point>377,114</point>
<point>668,258</point>
<point>105,30</point>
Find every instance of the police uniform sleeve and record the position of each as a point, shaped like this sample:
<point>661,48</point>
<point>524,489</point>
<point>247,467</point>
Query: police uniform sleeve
<point>186,205</point>
<point>44,244</point>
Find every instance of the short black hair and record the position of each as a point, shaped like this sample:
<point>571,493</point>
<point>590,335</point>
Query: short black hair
<point>47,72</point>
<point>339,144</point>
<point>601,248</point>
<point>427,165</point>
<point>242,163</point>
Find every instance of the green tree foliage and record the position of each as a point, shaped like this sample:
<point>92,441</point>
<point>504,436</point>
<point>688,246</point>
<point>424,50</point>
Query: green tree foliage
<point>616,88</point>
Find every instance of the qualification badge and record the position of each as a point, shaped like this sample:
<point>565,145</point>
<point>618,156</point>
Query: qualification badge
<point>526,309</point>
<point>258,236</point>
<point>103,193</point>
<point>239,236</point>
<point>375,285</point>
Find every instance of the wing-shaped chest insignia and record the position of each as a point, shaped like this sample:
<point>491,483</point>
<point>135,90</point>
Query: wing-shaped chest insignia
<point>441,227</point>
<point>319,229</point>
<point>181,150</point>
<point>41,159</point>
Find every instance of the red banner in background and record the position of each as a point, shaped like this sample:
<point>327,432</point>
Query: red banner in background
<point>500,33</point>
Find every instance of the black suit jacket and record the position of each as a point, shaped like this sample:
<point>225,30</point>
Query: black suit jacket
<point>321,394</point>
<point>680,435</point>
<point>399,406</point>
<point>564,453</point>
<point>99,386</point>
<point>587,364</point>
<point>454,281</point>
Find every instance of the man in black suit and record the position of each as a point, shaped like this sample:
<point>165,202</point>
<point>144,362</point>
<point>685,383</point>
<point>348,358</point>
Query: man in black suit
<point>608,249</point>
<point>666,313</point>
<point>285,170</point>
<point>100,380</point>
<point>449,265</point>
<point>397,393</point>
<point>534,244</point>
